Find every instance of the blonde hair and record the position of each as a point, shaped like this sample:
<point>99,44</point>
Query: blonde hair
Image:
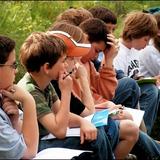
<point>74,16</point>
<point>74,31</point>
<point>138,25</point>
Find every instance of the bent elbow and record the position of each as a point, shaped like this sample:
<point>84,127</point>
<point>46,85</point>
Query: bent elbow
<point>60,134</point>
<point>30,153</point>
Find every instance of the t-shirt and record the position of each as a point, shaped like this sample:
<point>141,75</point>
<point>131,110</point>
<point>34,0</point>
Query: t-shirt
<point>149,61</point>
<point>44,99</point>
<point>12,144</point>
<point>127,60</point>
<point>76,106</point>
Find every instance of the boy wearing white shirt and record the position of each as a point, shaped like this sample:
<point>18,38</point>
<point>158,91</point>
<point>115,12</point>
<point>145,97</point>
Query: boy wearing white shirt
<point>138,29</point>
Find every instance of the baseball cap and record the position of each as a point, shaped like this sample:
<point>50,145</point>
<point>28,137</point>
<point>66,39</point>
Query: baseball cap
<point>74,49</point>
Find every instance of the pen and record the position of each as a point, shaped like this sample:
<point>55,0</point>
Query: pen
<point>69,73</point>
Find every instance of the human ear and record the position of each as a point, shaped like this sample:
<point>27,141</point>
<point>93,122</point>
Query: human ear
<point>46,68</point>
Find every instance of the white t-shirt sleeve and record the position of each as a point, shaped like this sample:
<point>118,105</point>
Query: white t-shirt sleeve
<point>150,61</point>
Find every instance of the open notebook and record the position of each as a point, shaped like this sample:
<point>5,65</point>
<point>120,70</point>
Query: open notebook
<point>136,114</point>
<point>98,119</point>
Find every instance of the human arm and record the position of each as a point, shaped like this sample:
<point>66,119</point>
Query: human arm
<point>29,128</point>
<point>122,113</point>
<point>60,110</point>
<point>103,82</point>
<point>87,130</point>
<point>149,61</point>
<point>11,109</point>
<point>110,53</point>
<point>86,95</point>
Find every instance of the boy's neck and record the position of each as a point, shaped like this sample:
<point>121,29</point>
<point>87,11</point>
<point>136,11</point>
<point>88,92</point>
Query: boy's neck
<point>41,80</point>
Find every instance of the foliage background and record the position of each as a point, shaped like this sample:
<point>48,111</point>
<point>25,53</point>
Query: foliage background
<point>20,18</point>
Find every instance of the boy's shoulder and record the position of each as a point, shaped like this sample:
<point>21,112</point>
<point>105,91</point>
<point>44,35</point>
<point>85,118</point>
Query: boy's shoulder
<point>27,83</point>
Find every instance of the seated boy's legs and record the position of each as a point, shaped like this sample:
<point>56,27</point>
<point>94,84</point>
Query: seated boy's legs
<point>112,131</point>
<point>127,93</point>
<point>146,148</point>
<point>149,103</point>
<point>101,146</point>
<point>122,135</point>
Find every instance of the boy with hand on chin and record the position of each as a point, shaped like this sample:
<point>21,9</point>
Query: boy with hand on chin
<point>18,138</point>
<point>44,56</point>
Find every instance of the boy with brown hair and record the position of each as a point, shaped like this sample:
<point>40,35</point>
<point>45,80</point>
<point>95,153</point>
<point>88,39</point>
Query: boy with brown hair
<point>44,57</point>
<point>138,29</point>
<point>106,15</point>
<point>18,137</point>
<point>70,15</point>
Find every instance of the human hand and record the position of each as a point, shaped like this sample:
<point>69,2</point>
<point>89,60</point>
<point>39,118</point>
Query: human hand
<point>158,80</point>
<point>16,93</point>
<point>65,82</point>
<point>112,52</point>
<point>87,131</point>
<point>122,113</point>
<point>11,109</point>
<point>81,71</point>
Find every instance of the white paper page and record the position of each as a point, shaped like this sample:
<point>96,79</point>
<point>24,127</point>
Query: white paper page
<point>136,114</point>
<point>58,153</point>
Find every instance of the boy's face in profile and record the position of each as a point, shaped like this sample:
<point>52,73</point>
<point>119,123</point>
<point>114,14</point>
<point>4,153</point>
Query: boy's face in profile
<point>59,66</point>
<point>140,43</point>
<point>96,47</point>
<point>8,71</point>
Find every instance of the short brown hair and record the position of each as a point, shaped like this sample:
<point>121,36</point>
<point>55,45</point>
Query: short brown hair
<point>95,29</point>
<point>104,14</point>
<point>74,16</point>
<point>138,25</point>
<point>74,31</point>
<point>7,45</point>
<point>40,48</point>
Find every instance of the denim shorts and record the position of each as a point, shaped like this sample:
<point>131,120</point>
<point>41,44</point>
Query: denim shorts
<point>112,131</point>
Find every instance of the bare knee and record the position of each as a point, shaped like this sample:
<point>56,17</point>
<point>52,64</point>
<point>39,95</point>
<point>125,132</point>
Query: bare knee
<point>129,130</point>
